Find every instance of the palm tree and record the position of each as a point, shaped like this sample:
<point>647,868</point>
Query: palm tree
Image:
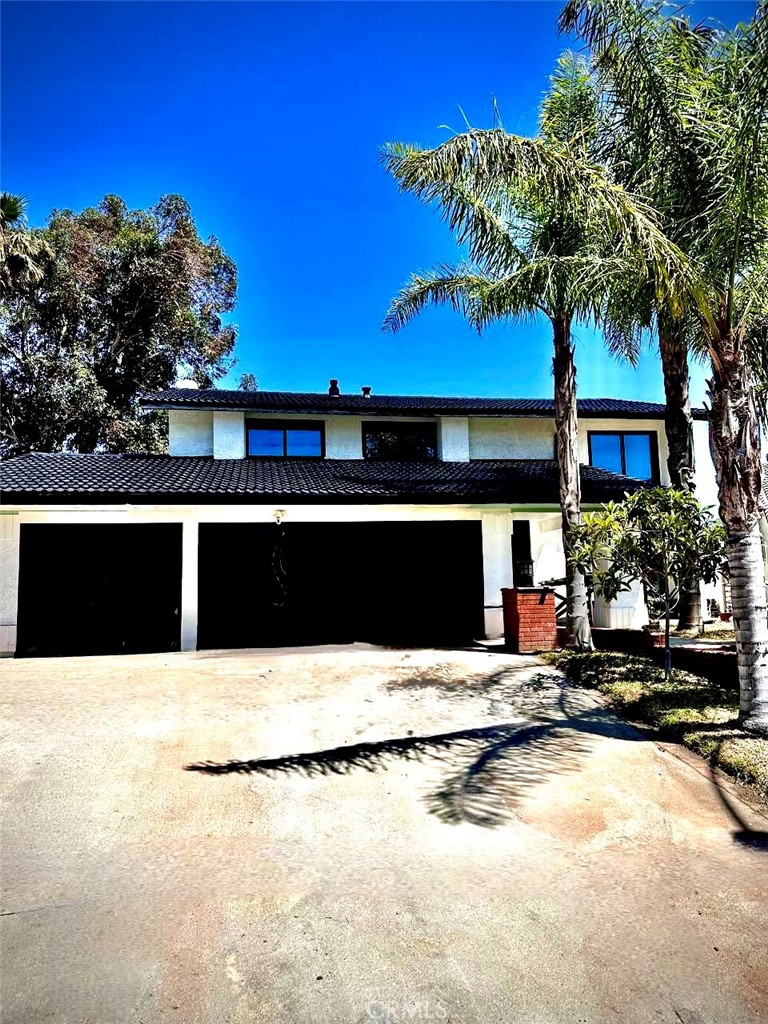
<point>706,125</point>
<point>645,63</point>
<point>519,205</point>
<point>21,251</point>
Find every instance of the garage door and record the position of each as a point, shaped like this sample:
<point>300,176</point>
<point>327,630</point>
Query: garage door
<point>264,585</point>
<point>99,589</point>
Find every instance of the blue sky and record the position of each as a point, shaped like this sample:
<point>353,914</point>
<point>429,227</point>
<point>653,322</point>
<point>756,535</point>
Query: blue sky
<point>268,119</point>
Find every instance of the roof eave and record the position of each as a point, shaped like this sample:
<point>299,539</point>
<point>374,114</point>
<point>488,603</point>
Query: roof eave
<point>618,414</point>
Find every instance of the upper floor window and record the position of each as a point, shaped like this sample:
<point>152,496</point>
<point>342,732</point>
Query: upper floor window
<point>278,439</point>
<point>629,452</point>
<point>403,442</point>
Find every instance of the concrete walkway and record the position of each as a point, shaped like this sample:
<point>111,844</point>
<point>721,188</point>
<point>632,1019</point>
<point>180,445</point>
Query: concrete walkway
<point>368,835</point>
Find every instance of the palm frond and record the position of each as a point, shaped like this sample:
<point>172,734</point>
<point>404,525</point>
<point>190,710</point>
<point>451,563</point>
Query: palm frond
<point>456,287</point>
<point>569,112</point>
<point>498,166</point>
<point>12,209</point>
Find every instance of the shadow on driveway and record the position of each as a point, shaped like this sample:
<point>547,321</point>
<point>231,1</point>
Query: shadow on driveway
<point>491,766</point>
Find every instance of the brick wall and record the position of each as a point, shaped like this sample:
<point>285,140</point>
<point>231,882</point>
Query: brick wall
<point>529,619</point>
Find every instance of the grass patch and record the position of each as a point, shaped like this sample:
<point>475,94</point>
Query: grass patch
<point>697,713</point>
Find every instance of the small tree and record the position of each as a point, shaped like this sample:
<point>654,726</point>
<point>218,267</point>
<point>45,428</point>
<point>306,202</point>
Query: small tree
<point>659,537</point>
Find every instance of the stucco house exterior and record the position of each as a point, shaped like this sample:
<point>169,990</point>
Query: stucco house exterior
<point>283,517</point>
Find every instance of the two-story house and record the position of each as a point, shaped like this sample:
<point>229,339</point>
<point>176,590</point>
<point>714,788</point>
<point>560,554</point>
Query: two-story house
<point>290,518</point>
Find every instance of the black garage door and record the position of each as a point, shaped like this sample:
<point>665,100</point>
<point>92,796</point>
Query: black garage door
<point>99,589</point>
<point>263,585</point>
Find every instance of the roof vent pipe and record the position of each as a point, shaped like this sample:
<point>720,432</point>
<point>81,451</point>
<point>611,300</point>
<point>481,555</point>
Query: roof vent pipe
<point>366,392</point>
<point>333,390</point>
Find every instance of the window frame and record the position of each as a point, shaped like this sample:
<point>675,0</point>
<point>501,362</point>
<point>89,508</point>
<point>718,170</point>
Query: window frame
<point>285,426</point>
<point>655,477</point>
<point>384,424</point>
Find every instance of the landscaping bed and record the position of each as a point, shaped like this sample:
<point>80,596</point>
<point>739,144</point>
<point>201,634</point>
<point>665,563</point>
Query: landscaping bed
<point>694,711</point>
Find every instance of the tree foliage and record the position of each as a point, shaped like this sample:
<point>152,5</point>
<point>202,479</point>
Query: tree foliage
<point>652,536</point>
<point>660,537</point>
<point>124,303</point>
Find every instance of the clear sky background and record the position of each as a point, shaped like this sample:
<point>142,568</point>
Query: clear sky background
<point>268,118</point>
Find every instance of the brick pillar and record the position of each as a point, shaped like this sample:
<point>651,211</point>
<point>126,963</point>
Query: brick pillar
<point>529,619</point>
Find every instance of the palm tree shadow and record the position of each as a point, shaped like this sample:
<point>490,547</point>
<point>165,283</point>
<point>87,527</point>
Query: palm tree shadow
<point>485,788</point>
<point>491,766</point>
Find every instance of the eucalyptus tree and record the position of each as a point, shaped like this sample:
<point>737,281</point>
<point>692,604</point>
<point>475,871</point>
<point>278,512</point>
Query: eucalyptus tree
<point>546,233</point>
<point>128,300</point>
<point>706,130</point>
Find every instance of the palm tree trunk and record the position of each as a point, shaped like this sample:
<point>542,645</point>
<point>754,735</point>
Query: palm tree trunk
<point>678,426</point>
<point>567,441</point>
<point>735,442</point>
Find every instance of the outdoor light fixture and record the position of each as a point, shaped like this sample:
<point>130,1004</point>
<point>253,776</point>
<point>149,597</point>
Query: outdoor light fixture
<point>279,515</point>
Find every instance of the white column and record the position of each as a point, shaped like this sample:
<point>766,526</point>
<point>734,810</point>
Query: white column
<point>497,567</point>
<point>189,556</point>
<point>453,438</point>
<point>9,582</point>
<point>229,435</point>
<point>343,437</point>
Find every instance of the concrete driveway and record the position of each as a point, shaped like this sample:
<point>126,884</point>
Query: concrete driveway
<point>369,835</point>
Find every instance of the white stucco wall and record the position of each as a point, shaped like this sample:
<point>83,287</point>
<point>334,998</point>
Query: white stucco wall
<point>706,492</point>
<point>511,438</point>
<point>546,546</point>
<point>228,435</point>
<point>453,438</point>
<point>9,581</point>
<point>628,611</point>
<point>190,432</point>
<point>704,472</point>
<point>343,437</point>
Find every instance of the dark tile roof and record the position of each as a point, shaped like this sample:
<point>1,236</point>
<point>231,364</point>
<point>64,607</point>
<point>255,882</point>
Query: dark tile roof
<point>164,478</point>
<point>305,403</point>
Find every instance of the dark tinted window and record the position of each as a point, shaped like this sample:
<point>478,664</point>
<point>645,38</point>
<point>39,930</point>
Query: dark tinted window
<point>400,441</point>
<point>638,458</point>
<point>265,442</point>
<point>632,453</point>
<point>302,440</point>
<point>606,452</point>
